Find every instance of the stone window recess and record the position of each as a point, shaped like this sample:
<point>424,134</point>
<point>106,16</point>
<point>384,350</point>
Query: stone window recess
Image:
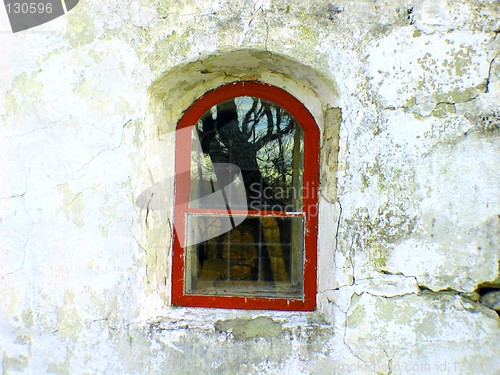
<point>246,204</point>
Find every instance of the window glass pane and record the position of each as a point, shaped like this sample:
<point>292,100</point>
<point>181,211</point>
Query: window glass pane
<point>262,256</point>
<point>255,147</point>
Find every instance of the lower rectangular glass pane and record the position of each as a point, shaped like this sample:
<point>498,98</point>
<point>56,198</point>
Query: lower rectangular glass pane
<point>259,256</point>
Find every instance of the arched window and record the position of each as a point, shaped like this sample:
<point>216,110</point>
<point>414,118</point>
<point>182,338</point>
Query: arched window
<point>245,219</point>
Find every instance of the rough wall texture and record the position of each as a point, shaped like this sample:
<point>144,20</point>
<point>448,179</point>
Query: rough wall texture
<point>406,94</point>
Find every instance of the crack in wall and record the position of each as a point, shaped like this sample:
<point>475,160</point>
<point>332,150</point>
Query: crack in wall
<point>338,228</point>
<point>411,108</point>
<point>473,297</point>
<point>81,325</point>
<point>344,338</point>
<point>25,246</point>
<point>50,125</point>
<point>143,248</point>
<point>86,165</point>
<point>490,71</point>
<point>20,195</point>
<point>346,324</point>
<point>389,362</point>
<point>264,19</point>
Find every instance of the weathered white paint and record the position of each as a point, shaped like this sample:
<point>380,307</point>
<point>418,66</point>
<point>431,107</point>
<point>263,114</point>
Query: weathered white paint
<point>88,103</point>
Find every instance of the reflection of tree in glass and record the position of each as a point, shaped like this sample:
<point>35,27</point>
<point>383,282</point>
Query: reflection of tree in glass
<point>258,137</point>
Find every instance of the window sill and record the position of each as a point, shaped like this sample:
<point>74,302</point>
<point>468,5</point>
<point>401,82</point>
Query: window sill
<point>212,319</point>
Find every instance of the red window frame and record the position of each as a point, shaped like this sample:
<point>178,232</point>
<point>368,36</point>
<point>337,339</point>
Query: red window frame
<point>310,200</point>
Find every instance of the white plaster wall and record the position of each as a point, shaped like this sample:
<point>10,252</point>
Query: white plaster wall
<point>409,207</point>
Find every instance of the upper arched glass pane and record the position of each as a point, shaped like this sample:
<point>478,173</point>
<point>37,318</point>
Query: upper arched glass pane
<point>250,145</point>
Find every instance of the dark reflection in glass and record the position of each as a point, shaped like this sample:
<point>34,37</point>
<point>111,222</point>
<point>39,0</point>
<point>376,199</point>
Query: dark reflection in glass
<point>260,138</point>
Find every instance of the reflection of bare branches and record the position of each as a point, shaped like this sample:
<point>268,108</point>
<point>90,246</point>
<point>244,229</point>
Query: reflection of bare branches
<point>272,135</point>
<point>254,134</point>
<point>250,116</point>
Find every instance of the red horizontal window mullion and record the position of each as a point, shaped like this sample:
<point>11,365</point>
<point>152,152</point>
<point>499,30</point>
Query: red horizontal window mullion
<point>216,211</point>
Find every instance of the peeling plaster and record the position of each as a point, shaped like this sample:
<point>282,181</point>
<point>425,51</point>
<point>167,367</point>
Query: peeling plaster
<point>407,101</point>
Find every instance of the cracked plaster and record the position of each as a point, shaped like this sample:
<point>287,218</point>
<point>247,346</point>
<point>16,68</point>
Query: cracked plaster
<point>407,99</point>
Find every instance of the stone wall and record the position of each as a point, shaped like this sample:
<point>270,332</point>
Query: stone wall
<point>406,95</point>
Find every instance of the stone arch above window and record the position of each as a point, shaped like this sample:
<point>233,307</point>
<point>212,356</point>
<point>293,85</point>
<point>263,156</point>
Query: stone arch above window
<point>176,89</point>
<point>174,92</point>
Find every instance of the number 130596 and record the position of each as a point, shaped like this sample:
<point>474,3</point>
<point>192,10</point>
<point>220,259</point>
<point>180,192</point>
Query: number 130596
<point>29,8</point>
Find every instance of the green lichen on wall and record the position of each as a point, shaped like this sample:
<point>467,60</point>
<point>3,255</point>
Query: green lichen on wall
<point>73,205</point>
<point>80,29</point>
<point>396,181</point>
<point>68,316</point>
<point>163,44</point>
<point>24,89</point>
<point>461,62</point>
<point>63,366</point>
<point>460,95</point>
<point>18,363</point>
<point>427,62</point>
<point>442,110</point>
<point>410,102</point>
<point>356,316</point>
<point>250,328</point>
<point>377,232</point>
<point>306,28</point>
<point>379,253</point>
